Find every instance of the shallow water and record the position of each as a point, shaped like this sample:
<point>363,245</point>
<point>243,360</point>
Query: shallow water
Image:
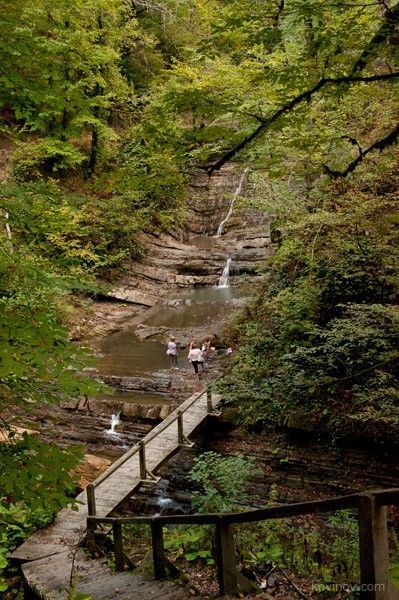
<point>212,294</point>
<point>124,354</point>
<point>202,306</point>
<point>193,315</point>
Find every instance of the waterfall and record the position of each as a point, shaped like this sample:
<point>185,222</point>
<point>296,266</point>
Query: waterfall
<point>236,193</point>
<point>115,420</point>
<point>225,276</point>
<point>163,500</point>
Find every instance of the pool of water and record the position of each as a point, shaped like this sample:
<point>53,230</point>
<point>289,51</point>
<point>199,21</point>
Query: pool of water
<point>124,354</point>
<point>193,315</point>
<point>212,294</point>
<point>202,307</point>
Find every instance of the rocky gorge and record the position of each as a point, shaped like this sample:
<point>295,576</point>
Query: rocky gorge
<point>172,290</point>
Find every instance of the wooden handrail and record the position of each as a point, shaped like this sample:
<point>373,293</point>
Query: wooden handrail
<point>140,447</point>
<point>373,538</point>
<point>282,511</point>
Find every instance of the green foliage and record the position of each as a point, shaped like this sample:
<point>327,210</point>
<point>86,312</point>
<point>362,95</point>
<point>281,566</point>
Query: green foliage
<point>320,338</point>
<point>326,551</point>
<point>38,362</point>
<point>36,482</point>
<point>223,480</point>
<point>81,235</point>
<point>33,159</point>
<point>38,474</point>
<point>321,549</point>
<point>317,549</point>
<point>194,543</point>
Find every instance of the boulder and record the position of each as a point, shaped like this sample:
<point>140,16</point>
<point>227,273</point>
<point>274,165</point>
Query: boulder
<point>95,406</point>
<point>130,410</point>
<point>145,331</point>
<point>134,296</point>
<point>298,420</point>
<point>165,411</point>
<point>153,413</point>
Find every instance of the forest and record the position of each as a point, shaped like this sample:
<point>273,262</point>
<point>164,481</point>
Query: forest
<point>108,111</point>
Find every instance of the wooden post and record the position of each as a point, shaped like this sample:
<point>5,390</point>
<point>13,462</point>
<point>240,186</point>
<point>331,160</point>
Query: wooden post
<point>143,468</point>
<point>118,546</point>
<point>226,559</point>
<point>209,405</point>
<point>91,500</point>
<point>158,550</point>
<point>180,434</point>
<point>373,547</point>
<point>90,536</point>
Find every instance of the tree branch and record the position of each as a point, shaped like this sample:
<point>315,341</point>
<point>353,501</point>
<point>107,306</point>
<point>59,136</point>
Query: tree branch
<point>306,95</point>
<point>380,145</point>
<point>388,26</point>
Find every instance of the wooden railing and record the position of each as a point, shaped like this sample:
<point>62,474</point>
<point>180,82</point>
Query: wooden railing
<point>145,474</point>
<point>371,507</point>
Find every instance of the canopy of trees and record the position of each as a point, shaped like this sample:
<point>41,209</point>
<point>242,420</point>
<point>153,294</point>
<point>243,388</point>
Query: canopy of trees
<point>107,105</point>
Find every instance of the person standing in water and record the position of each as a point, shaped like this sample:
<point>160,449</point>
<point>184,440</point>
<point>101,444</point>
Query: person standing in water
<point>172,352</point>
<point>196,358</point>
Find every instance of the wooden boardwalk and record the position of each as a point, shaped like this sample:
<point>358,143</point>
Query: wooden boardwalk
<point>47,554</point>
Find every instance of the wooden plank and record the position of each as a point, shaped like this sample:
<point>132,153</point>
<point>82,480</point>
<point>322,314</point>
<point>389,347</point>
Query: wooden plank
<point>48,549</point>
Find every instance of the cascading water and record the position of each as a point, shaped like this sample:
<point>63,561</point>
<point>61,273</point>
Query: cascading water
<point>225,276</point>
<point>163,500</point>
<point>236,193</point>
<point>115,420</point>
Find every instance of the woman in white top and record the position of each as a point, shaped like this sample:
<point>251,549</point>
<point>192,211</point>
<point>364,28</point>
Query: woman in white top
<point>172,352</point>
<point>196,357</point>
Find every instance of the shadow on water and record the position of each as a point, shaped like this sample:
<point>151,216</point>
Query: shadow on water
<point>124,354</point>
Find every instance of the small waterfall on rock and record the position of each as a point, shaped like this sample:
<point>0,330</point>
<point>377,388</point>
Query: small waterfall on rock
<point>115,420</point>
<point>225,276</point>
<point>236,193</point>
<point>163,500</point>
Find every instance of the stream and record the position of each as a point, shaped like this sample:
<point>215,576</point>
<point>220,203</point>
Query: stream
<point>195,314</point>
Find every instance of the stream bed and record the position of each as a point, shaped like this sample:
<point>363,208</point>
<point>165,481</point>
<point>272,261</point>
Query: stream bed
<point>137,357</point>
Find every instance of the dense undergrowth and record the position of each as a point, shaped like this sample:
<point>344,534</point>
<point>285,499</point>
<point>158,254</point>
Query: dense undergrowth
<point>310,550</point>
<point>318,345</point>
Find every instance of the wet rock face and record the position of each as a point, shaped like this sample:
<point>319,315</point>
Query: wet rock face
<point>191,257</point>
<point>199,256</point>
